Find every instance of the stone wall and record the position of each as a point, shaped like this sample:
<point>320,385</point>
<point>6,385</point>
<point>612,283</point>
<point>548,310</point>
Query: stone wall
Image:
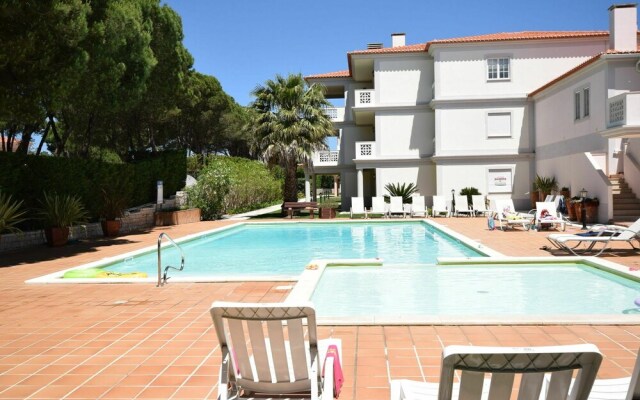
<point>134,220</point>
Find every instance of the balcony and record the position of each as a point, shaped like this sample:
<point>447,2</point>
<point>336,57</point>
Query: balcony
<point>623,110</point>
<point>365,150</point>
<point>336,114</point>
<point>325,158</point>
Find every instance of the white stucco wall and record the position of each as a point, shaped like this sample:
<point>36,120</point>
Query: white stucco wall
<point>476,174</point>
<point>423,176</point>
<point>403,79</point>
<point>404,133</point>
<point>461,71</point>
<point>463,130</point>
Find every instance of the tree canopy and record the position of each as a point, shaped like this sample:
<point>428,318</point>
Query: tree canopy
<point>107,76</point>
<point>290,124</point>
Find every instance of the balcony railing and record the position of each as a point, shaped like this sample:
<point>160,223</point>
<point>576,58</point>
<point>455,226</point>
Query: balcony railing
<point>365,97</point>
<point>336,114</point>
<point>365,150</point>
<point>624,109</point>
<point>325,158</point>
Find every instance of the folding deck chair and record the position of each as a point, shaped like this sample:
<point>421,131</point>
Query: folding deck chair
<point>265,352</point>
<point>489,372</point>
<point>357,207</point>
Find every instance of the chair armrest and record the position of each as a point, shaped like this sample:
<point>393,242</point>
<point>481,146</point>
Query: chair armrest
<point>223,378</point>
<point>313,376</point>
<point>327,384</point>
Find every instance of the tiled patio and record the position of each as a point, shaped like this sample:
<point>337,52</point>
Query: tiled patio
<point>128,341</point>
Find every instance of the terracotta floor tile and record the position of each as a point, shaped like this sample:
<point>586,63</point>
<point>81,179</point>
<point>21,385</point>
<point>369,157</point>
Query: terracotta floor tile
<point>161,344</point>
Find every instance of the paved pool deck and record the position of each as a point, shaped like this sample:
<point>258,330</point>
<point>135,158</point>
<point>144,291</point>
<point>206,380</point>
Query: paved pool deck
<point>136,341</point>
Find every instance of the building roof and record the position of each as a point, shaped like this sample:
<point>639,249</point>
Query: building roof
<point>338,74</point>
<point>524,35</point>
<point>491,37</point>
<point>411,48</point>
<point>580,67</point>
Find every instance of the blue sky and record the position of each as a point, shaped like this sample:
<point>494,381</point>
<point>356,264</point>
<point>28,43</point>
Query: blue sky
<point>245,42</point>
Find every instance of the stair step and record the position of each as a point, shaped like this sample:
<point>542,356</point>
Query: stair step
<point>624,196</point>
<point>617,219</point>
<point>626,213</point>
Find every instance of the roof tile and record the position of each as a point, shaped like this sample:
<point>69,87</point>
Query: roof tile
<point>338,74</point>
<point>524,35</point>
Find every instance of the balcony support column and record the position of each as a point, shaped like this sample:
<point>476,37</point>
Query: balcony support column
<point>307,186</point>
<point>360,182</point>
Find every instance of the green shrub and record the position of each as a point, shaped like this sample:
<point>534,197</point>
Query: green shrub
<point>469,191</point>
<point>243,184</point>
<point>11,214</point>
<point>404,190</point>
<point>209,192</point>
<point>61,211</point>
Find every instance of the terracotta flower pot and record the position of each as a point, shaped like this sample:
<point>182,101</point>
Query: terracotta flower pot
<point>111,228</point>
<point>56,237</point>
<point>592,212</point>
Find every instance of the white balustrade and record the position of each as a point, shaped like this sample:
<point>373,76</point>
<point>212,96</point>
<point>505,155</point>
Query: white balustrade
<point>623,109</point>
<point>325,158</point>
<point>365,97</point>
<point>365,150</point>
<point>336,114</point>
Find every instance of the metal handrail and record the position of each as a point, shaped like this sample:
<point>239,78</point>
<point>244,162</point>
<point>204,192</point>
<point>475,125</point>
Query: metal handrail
<point>162,278</point>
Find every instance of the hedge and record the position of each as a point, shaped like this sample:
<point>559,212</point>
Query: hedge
<point>26,177</point>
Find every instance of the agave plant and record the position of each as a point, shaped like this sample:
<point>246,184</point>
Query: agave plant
<point>469,191</point>
<point>61,211</point>
<point>404,190</point>
<point>10,214</point>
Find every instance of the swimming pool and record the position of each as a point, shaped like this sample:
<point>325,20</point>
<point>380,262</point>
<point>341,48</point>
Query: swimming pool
<point>468,293</point>
<point>280,251</point>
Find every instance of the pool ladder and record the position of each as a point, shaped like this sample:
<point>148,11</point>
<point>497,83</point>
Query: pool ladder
<point>162,277</point>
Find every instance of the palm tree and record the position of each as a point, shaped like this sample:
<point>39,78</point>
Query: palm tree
<point>290,125</point>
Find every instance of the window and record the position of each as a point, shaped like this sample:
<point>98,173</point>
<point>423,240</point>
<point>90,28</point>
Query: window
<point>498,68</point>
<point>585,102</point>
<point>577,105</point>
<point>581,103</point>
<point>498,124</point>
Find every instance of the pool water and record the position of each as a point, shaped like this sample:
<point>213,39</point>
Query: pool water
<point>285,249</point>
<point>474,290</point>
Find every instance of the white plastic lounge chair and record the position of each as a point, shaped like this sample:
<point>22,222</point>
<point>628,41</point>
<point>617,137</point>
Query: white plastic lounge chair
<point>547,215</point>
<point>591,239</point>
<point>440,206</point>
<point>256,358</point>
<point>378,206</point>
<point>396,206</point>
<point>479,204</point>
<point>618,388</point>
<point>357,207</point>
<point>462,206</point>
<point>506,215</point>
<point>475,363</point>
<point>418,207</point>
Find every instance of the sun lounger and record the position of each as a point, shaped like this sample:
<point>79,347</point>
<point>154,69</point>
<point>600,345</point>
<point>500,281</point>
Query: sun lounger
<point>603,237</point>
<point>264,351</point>
<point>479,204</point>
<point>489,372</point>
<point>462,206</point>
<point>505,213</point>
<point>418,207</point>
<point>439,206</point>
<point>548,216</point>
<point>378,207</point>
<point>396,206</point>
<point>357,207</point>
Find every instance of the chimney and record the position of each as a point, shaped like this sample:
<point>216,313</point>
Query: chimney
<point>623,27</point>
<point>374,46</point>
<point>397,39</point>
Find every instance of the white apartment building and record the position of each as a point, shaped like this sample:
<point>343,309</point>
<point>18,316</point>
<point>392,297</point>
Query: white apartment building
<point>490,112</point>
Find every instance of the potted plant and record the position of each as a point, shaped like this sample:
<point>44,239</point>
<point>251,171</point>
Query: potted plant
<point>328,209</point>
<point>58,213</point>
<point>10,214</point>
<point>591,209</point>
<point>545,185</point>
<point>573,207</point>
<point>114,202</point>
